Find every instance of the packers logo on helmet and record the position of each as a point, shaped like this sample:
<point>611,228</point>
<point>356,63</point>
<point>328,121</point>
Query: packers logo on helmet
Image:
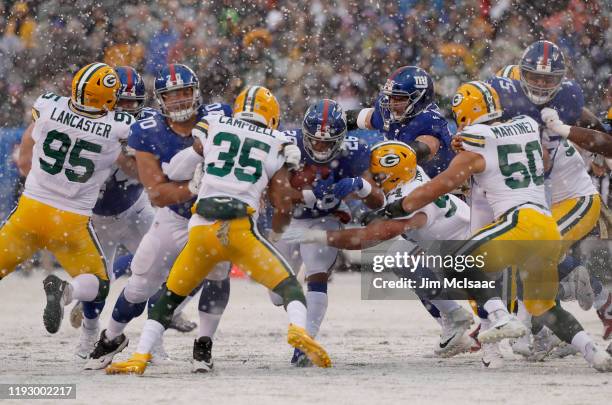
<point>474,103</point>
<point>258,104</point>
<point>510,71</point>
<point>94,88</point>
<point>392,163</point>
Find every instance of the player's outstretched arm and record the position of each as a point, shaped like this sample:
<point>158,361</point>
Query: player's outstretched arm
<point>127,163</point>
<point>24,160</point>
<point>458,172</point>
<point>588,120</point>
<point>279,191</point>
<point>376,198</point>
<point>162,192</point>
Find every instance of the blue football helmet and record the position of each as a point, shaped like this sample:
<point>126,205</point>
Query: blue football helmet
<point>131,96</point>
<point>542,69</point>
<point>177,77</point>
<point>324,129</point>
<point>407,92</point>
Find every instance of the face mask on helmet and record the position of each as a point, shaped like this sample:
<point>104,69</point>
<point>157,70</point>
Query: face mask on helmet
<point>540,87</point>
<point>322,147</point>
<point>130,105</point>
<point>398,108</point>
<point>179,104</point>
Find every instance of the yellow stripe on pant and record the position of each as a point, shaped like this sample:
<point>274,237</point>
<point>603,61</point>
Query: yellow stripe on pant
<point>34,225</point>
<point>533,245</point>
<point>235,240</point>
<point>576,217</point>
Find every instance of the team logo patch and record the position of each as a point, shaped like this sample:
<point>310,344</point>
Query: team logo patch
<point>457,99</point>
<point>110,80</point>
<point>389,160</point>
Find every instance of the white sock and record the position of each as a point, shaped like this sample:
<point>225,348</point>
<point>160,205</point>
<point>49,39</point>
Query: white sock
<point>523,315</point>
<point>296,311</point>
<point>208,324</point>
<point>445,306</point>
<point>583,342</point>
<point>181,306</point>
<point>316,304</point>
<point>601,298</point>
<point>114,328</point>
<point>496,309</point>
<point>84,287</point>
<point>91,324</point>
<point>151,334</point>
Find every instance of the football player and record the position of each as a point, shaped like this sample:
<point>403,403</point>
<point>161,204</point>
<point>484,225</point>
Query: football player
<point>516,194</point>
<point>334,167</point>
<point>406,111</point>
<point>156,140</point>
<point>122,214</point>
<point>72,144</point>
<point>393,166</point>
<point>575,201</point>
<point>243,156</point>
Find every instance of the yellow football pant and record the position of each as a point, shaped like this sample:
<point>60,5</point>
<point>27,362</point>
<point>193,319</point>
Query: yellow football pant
<point>33,226</point>
<point>235,240</point>
<point>576,218</point>
<point>530,240</point>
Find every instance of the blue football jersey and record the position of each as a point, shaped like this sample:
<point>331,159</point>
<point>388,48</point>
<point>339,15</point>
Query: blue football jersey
<point>352,160</point>
<point>568,101</point>
<point>429,122</point>
<point>119,192</point>
<point>153,135</point>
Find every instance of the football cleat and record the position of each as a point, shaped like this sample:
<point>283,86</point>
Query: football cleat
<point>87,341</point>
<point>54,311</point>
<point>136,364</point>
<point>76,315</point>
<point>506,327</point>
<point>104,351</point>
<point>564,350</point>
<point>181,324</point>
<point>581,280</point>
<point>454,338</point>
<point>202,355</point>
<point>522,346</point>
<point>605,314</point>
<point>600,360</point>
<point>300,359</point>
<point>299,338</point>
<point>543,343</point>
<point>491,356</point>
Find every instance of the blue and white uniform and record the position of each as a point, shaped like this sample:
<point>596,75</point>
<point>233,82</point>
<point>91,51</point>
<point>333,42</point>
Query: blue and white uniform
<point>168,234</point>
<point>123,214</point>
<point>428,122</point>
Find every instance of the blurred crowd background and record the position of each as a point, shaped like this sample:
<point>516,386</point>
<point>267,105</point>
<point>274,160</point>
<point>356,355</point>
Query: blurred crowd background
<point>302,50</point>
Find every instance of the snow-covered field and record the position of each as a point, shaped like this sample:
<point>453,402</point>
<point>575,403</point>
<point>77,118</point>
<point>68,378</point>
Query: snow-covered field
<point>381,352</point>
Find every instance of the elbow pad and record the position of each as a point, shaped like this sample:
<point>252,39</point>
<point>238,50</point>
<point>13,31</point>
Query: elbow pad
<point>421,150</point>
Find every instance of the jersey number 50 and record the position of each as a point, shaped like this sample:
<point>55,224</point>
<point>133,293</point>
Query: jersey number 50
<point>528,173</point>
<point>58,154</point>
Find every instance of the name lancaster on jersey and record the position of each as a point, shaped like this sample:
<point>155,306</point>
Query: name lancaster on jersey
<point>82,123</point>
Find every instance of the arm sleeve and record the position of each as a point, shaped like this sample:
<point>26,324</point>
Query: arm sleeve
<point>183,164</point>
<point>473,139</point>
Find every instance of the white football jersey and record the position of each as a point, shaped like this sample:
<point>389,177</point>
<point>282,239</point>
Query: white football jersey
<point>514,172</point>
<point>73,153</point>
<point>448,217</point>
<point>569,176</point>
<point>239,158</point>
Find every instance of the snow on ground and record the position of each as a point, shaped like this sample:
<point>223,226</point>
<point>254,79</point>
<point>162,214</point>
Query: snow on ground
<point>381,352</point>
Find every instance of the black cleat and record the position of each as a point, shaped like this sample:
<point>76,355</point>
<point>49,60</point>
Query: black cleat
<point>202,355</point>
<point>54,311</point>
<point>104,351</point>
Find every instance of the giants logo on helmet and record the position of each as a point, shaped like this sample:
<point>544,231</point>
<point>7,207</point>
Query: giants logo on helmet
<point>420,82</point>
